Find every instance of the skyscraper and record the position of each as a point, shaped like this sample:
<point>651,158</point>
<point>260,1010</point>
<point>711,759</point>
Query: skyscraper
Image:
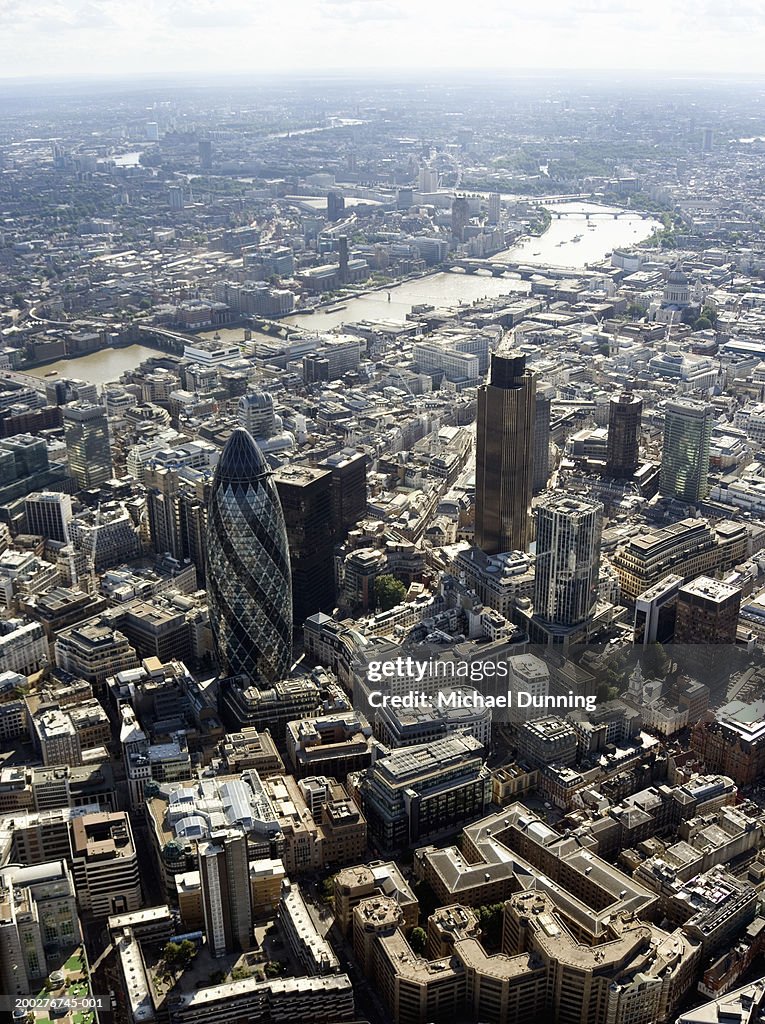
<point>460,216</point>
<point>205,154</point>
<point>335,205</point>
<point>349,488</point>
<point>305,494</point>
<point>544,395</point>
<point>86,434</point>
<point>685,455</point>
<point>342,257</point>
<point>624,415</point>
<point>504,455</point>
<point>224,878</point>
<point>175,197</point>
<point>248,566</point>
<point>568,550</point>
<point>176,504</point>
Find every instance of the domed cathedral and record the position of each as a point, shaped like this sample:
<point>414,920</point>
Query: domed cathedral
<point>679,301</point>
<point>677,290</point>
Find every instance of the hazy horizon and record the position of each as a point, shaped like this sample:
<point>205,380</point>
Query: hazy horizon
<point>119,39</point>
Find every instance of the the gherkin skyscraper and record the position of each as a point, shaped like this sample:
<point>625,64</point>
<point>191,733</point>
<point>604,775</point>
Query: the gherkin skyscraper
<point>248,567</point>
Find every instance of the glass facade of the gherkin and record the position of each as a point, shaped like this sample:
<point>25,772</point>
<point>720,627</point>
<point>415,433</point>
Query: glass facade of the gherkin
<point>248,567</point>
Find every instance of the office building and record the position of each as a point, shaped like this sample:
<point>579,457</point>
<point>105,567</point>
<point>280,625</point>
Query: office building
<point>257,415</point>
<point>25,467</point>
<point>445,361</point>
<point>689,548</point>
<point>23,646</point>
<point>354,884</point>
<point>94,651</point>
<point>504,456</point>
<point>408,727</point>
<point>105,863</point>
<point>205,154</point>
<point>321,999</point>
<point>335,206</point>
<point>548,740</point>
<point>176,504</point>
<point>333,358</point>
<point>685,454</point>
<point>250,749</point>
<point>732,741</point>
<point>349,488</point>
<point>56,737</point>
<point>743,1005</point>
<point>528,675</point>
<point>86,433</point>
<point>38,918</point>
<point>342,257</point>
<point>713,907</point>
<point>329,745</point>
<point>624,415</point>
<point>48,515</point>
<point>107,536</point>
<point>305,494</point>
<point>542,405</point>
<point>655,611</point>
<point>311,950</point>
<point>419,791</point>
<point>568,552</point>
<point>225,882</point>
<point>460,217</point>
<point>248,567</point>
<point>707,612</point>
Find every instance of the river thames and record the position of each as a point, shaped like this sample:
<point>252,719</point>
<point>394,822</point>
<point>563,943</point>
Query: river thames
<point>558,247</point>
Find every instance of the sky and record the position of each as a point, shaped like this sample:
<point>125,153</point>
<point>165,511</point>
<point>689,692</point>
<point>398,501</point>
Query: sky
<point>65,38</point>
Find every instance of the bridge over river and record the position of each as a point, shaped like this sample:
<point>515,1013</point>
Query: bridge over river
<point>523,270</point>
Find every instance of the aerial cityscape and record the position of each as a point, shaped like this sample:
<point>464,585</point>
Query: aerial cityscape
<point>382,549</point>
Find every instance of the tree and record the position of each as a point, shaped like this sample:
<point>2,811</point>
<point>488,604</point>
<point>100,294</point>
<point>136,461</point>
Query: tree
<point>179,954</point>
<point>389,591</point>
<point>655,662</point>
<point>702,324</point>
<point>490,918</point>
<point>327,887</point>
<point>418,940</point>
<point>710,313</point>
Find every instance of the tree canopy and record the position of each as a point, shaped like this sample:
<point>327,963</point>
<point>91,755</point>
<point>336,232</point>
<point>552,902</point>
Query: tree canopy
<point>389,591</point>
